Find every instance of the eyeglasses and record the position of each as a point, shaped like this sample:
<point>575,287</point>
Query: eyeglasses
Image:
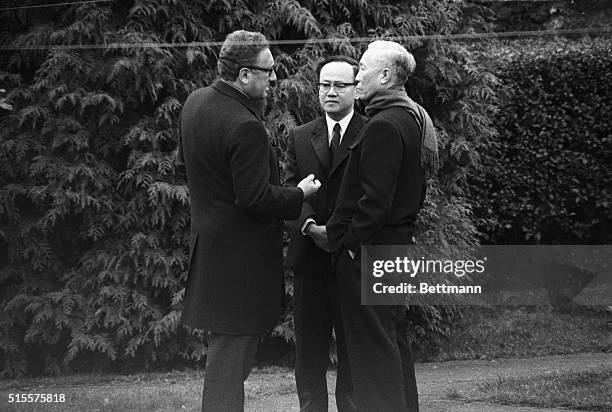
<point>338,86</point>
<point>269,70</point>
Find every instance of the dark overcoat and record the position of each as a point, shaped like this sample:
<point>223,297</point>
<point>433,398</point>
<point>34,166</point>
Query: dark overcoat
<point>383,186</point>
<point>382,190</point>
<point>308,152</point>
<point>237,206</point>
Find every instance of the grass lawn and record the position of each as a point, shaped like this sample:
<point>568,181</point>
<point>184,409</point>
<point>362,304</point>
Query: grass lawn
<point>144,392</point>
<point>585,391</point>
<point>173,391</point>
<point>514,331</point>
<point>484,334</point>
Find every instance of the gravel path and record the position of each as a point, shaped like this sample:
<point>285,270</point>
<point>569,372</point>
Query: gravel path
<point>435,381</point>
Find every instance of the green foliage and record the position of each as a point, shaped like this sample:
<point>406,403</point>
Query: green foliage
<point>548,180</point>
<point>94,210</point>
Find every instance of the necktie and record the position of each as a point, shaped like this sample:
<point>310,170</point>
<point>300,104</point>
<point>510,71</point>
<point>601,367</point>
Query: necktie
<point>335,142</point>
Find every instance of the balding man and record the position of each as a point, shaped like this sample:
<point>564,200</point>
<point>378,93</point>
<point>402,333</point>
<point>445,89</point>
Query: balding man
<point>382,190</point>
<point>237,206</point>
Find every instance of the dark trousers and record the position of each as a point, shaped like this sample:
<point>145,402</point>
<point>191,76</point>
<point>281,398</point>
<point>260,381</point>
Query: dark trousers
<point>380,356</point>
<point>228,363</point>
<point>316,314</point>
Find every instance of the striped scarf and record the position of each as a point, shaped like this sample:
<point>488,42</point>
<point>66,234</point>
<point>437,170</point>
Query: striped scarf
<point>429,142</point>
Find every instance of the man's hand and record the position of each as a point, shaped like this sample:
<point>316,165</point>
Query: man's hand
<point>318,234</point>
<point>309,185</point>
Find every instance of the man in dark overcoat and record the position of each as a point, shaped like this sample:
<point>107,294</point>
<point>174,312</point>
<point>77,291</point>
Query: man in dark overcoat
<point>237,206</point>
<point>382,190</point>
<point>320,147</point>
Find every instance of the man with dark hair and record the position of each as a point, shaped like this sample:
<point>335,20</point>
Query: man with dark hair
<point>321,148</point>
<point>382,190</point>
<point>237,206</point>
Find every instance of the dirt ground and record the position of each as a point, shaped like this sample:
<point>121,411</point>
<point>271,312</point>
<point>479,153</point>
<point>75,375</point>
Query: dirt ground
<point>435,381</point>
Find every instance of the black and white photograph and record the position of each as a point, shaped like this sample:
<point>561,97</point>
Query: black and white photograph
<point>306,205</point>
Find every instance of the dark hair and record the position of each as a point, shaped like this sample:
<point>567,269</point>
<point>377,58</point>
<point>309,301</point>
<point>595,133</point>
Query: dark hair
<point>240,48</point>
<point>339,58</point>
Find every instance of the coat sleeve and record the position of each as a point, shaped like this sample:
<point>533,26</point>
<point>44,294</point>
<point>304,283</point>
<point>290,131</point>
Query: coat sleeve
<point>293,177</point>
<point>249,154</point>
<point>380,162</point>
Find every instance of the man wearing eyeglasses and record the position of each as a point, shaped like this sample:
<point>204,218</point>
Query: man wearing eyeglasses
<point>321,148</point>
<point>237,206</point>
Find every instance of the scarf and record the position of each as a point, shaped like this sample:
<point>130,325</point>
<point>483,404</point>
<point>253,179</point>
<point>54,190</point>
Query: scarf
<point>429,142</point>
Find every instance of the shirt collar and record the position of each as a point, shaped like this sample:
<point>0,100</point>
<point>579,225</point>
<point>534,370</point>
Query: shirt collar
<point>343,125</point>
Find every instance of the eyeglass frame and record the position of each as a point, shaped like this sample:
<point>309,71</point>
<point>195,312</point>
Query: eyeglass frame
<point>269,70</point>
<point>326,87</point>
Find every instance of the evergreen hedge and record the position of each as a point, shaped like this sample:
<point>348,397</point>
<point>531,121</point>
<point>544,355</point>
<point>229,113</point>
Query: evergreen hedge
<point>94,210</point>
<point>548,179</point>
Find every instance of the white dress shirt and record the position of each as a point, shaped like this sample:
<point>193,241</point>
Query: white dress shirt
<point>344,122</point>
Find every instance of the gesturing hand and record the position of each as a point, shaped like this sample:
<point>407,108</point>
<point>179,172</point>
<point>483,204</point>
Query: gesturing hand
<point>309,185</point>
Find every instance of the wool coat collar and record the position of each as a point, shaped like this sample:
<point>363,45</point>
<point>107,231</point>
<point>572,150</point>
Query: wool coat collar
<point>255,106</point>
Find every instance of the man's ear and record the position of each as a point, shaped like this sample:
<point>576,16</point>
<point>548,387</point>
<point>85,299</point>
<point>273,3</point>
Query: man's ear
<point>243,76</point>
<point>385,76</point>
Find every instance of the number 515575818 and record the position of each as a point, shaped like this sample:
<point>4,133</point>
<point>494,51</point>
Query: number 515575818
<point>36,397</point>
